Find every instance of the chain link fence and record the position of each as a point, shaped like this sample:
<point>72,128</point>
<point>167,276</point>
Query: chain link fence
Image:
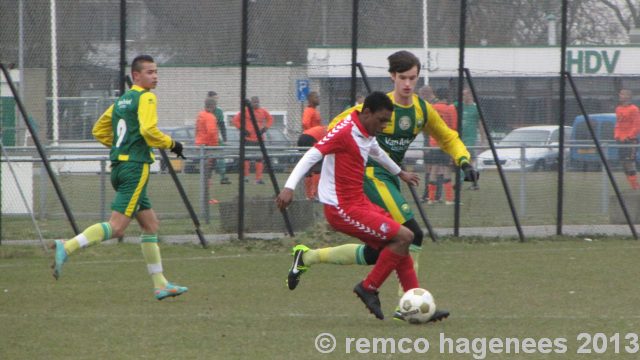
<point>66,63</point>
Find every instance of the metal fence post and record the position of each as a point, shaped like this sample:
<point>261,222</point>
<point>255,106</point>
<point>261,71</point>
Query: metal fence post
<point>204,189</point>
<point>605,183</point>
<point>42,213</point>
<point>103,189</point>
<point>523,169</point>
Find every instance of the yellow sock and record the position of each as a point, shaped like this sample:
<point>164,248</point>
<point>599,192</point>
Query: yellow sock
<point>151,254</point>
<point>92,235</point>
<point>414,251</point>
<point>342,255</point>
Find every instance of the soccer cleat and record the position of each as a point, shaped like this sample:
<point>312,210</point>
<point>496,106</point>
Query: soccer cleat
<point>260,182</point>
<point>439,315</point>
<point>298,267</point>
<point>370,300</point>
<point>171,290</point>
<point>59,259</point>
<point>213,201</point>
<point>225,181</point>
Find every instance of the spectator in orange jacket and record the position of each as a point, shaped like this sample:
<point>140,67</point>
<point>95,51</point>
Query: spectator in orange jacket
<point>440,162</point>
<point>626,132</point>
<point>207,135</point>
<point>311,115</point>
<point>264,120</point>
<point>308,138</point>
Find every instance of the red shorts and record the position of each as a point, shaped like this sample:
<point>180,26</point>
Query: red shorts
<point>367,222</point>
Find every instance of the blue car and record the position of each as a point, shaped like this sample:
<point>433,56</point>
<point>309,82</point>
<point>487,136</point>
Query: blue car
<point>586,157</point>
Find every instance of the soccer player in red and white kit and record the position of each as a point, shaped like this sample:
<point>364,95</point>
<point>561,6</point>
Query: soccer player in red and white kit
<point>345,150</point>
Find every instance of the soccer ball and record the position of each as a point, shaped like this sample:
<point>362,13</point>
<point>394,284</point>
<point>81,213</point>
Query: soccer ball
<point>417,306</point>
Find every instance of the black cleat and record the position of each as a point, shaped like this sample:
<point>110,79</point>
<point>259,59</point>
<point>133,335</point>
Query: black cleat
<point>370,300</point>
<point>439,315</point>
<point>298,267</point>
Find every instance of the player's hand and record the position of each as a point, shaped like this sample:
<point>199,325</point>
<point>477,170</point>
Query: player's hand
<point>409,178</point>
<point>177,149</point>
<point>284,198</point>
<point>470,174</point>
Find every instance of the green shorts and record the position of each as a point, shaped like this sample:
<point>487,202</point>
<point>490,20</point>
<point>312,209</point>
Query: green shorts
<point>129,180</point>
<point>383,189</point>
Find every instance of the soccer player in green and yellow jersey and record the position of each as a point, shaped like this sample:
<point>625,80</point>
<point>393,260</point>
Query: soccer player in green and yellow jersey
<point>411,116</point>
<point>129,128</point>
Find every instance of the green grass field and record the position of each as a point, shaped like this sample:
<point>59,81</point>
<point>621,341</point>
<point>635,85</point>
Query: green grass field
<point>238,306</point>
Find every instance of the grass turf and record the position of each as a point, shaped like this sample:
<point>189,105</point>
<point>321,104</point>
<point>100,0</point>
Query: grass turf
<point>238,306</point>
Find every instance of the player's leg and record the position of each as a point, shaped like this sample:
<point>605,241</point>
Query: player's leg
<point>628,159</point>
<point>259,171</point>
<point>221,169</point>
<point>447,185</point>
<point>125,178</point>
<point>394,256</point>
<point>151,252</point>
<point>308,187</point>
<point>347,254</point>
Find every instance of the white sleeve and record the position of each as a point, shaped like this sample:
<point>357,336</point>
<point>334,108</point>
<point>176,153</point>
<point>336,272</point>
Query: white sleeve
<point>383,159</point>
<point>310,158</point>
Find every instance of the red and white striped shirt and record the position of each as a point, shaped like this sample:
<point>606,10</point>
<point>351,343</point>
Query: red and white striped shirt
<point>345,150</point>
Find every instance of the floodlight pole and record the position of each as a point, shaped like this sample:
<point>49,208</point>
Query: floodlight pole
<point>243,117</point>
<point>461,46</point>
<point>561,121</point>
<point>354,50</point>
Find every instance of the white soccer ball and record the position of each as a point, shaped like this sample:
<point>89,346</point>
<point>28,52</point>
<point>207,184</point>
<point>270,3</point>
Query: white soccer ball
<point>417,306</point>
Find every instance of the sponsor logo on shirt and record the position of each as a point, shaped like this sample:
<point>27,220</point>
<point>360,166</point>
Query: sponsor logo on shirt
<point>384,228</point>
<point>404,123</point>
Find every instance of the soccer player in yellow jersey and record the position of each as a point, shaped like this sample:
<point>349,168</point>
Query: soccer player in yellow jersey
<point>129,129</point>
<point>411,116</point>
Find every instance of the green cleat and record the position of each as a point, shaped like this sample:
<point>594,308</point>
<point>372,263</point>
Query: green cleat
<point>171,290</point>
<point>60,258</point>
<point>297,268</point>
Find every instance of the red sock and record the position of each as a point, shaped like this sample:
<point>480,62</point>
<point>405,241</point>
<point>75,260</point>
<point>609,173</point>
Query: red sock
<point>406,274</point>
<point>387,261</point>
<point>433,188</point>
<point>247,166</point>
<point>259,167</point>
<point>448,190</point>
<point>633,181</point>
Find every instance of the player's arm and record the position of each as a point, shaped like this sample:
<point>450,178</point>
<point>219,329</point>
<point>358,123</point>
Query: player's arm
<point>269,119</point>
<point>222,128</point>
<point>447,139</point>
<point>382,158</point>
<point>148,117</point>
<point>103,130</point>
<point>212,130</point>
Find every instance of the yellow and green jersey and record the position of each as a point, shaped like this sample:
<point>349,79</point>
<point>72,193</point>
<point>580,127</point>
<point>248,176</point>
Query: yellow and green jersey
<point>407,121</point>
<point>130,127</point>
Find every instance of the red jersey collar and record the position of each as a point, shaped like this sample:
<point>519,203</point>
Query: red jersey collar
<point>355,117</point>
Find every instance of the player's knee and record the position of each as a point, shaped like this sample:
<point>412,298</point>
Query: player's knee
<point>404,237</point>
<point>418,235</point>
<point>370,255</point>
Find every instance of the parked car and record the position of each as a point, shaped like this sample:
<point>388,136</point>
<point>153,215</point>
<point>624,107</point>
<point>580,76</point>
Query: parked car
<point>186,135</point>
<point>275,140</point>
<point>535,158</point>
<point>586,158</point>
